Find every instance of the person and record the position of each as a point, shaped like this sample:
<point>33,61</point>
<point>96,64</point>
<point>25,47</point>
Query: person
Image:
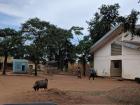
<point>92,73</point>
<point>78,72</point>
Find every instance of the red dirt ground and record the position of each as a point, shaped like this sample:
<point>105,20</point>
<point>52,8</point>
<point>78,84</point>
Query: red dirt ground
<point>68,90</point>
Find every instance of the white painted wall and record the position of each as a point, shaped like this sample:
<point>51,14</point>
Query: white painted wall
<point>130,60</point>
<point>102,66</point>
<point>102,59</point>
<point>131,63</point>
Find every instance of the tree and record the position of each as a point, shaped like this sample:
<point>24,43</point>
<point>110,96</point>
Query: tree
<point>130,23</point>
<point>103,21</point>
<point>8,41</point>
<point>48,41</point>
<point>83,50</point>
<point>18,49</point>
<point>60,47</point>
<point>35,31</point>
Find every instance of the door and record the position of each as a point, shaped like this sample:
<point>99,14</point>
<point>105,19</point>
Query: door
<point>23,68</point>
<point>116,68</point>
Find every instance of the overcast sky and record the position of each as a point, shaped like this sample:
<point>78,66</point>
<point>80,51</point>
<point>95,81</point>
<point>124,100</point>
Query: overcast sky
<point>63,13</point>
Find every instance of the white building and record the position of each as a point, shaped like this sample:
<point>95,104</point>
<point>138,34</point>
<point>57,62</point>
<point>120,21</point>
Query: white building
<point>117,54</point>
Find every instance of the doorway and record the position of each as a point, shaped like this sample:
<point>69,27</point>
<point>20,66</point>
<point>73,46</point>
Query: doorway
<point>116,68</point>
<point>23,67</point>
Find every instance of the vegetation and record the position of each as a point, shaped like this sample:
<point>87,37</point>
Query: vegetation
<point>107,18</point>
<point>48,42</point>
<point>10,42</point>
<point>103,21</point>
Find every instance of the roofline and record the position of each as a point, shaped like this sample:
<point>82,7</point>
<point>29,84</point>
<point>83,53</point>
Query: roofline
<point>103,40</point>
<point>100,43</point>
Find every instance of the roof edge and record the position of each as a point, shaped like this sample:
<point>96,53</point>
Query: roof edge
<point>94,47</point>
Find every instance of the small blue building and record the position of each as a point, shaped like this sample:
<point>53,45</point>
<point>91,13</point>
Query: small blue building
<point>20,66</point>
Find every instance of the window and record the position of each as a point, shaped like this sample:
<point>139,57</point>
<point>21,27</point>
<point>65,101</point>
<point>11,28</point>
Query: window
<point>116,49</point>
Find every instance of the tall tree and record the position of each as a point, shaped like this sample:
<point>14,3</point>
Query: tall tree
<point>18,49</point>
<point>9,39</point>
<point>35,31</point>
<point>103,21</point>
<point>130,23</point>
<point>83,51</point>
<point>47,40</point>
<point>60,47</point>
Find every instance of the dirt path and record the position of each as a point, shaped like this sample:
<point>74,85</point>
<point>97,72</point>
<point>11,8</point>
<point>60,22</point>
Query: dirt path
<point>17,89</point>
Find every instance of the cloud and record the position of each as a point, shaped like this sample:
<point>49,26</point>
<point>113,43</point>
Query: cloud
<point>13,7</point>
<point>9,21</point>
<point>63,13</point>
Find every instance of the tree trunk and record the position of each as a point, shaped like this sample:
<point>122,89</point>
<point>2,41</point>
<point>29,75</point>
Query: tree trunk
<point>60,60</point>
<point>66,65</point>
<point>92,60</point>
<point>61,64</point>
<point>35,69</point>
<point>84,69</point>
<point>5,63</point>
<point>84,65</point>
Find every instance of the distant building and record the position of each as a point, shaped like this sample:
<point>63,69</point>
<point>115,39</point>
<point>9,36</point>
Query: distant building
<point>20,66</point>
<point>117,54</point>
<point>31,65</point>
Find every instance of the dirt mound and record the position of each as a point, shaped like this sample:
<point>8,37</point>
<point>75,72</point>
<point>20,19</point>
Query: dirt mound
<point>55,95</point>
<point>56,91</point>
<point>127,94</point>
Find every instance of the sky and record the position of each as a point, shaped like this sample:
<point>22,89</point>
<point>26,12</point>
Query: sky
<point>63,13</point>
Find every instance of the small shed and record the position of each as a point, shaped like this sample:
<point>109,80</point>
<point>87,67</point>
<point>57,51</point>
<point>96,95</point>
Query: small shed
<point>20,66</point>
<point>52,67</point>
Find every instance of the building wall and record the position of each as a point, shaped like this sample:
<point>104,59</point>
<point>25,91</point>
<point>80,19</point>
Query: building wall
<point>18,65</point>
<point>131,60</point>
<point>101,61</point>
<point>102,58</point>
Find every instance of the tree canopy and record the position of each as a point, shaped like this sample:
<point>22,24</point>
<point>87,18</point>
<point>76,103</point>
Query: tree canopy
<point>10,42</point>
<point>49,42</point>
<point>102,21</point>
